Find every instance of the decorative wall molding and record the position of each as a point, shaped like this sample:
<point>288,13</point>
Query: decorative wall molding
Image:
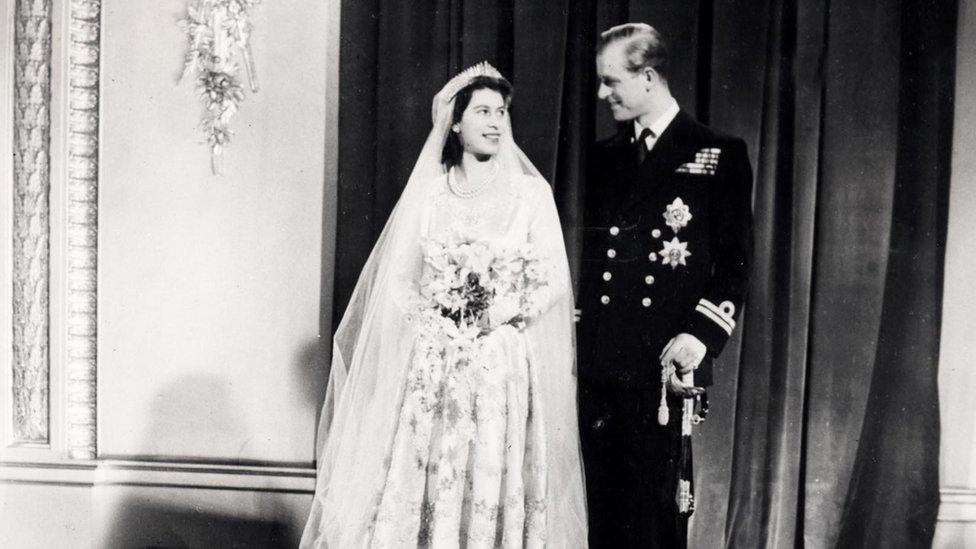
<point>82,228</point>
<point>293,480</point>
<point>957,505</point>
<point>47,212</point>
<point>31,223</point>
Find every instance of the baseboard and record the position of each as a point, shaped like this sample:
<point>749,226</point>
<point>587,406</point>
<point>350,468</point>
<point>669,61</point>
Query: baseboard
<point>294,480</point>
<point>957,505</point>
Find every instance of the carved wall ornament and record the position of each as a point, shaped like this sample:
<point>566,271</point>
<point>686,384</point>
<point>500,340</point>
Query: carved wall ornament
<point>31,223</point>
<point>82,229</point>
<point>218,37</point>
<point>33,265</point>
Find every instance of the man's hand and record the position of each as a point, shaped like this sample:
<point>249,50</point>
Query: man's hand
<point>685,352</point>
<point>679,387</point>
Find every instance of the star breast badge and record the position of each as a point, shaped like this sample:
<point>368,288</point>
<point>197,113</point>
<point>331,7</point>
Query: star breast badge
<point>674,253</point>
<point>677,215</point>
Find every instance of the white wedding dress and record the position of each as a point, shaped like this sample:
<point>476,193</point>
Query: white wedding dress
<point>468,459</point>
<point>413,455</point>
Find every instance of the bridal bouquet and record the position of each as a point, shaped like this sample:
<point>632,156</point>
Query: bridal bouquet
<point>471,287</point>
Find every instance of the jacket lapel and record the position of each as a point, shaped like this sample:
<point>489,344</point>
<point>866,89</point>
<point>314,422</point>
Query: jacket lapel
<point>657,167</point>
<point>619,169</point>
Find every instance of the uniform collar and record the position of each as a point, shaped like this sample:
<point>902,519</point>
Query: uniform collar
<point>658,126</point>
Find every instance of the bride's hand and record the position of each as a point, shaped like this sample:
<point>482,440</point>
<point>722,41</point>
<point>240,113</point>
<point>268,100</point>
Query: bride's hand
<point>502,311</point>
<point>443,105</point>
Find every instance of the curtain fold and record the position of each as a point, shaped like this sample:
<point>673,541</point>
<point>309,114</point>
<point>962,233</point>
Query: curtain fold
<point>737,76</point>
<point>824,431</point>
<point>853,217</point>
<point>769,403</point>
<point>896,467</point>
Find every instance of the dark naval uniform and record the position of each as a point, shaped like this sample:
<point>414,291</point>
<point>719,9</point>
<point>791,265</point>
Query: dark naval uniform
<point>666,250</point>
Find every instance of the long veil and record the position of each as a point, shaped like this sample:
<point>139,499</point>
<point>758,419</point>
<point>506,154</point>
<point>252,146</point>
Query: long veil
<point>371,353</point>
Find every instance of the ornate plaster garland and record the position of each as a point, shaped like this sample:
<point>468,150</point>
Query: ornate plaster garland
<point>218,37</point>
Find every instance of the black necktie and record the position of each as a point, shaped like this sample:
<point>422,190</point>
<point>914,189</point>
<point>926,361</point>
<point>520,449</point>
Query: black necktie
<point>640,146</point>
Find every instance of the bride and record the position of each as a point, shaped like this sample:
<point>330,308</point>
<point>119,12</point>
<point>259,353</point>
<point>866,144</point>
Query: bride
<point>450,413</point>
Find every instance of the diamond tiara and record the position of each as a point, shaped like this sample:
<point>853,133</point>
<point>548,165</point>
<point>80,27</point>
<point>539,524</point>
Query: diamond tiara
<point>462,79</point>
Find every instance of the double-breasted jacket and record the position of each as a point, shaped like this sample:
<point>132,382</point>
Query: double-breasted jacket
<point>666,249</point>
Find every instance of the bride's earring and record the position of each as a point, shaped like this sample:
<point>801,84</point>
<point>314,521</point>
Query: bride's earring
<point>456,129</point>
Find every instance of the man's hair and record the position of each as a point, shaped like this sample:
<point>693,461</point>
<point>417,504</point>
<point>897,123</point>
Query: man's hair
<point>453,150</point>
<point>643,46</point>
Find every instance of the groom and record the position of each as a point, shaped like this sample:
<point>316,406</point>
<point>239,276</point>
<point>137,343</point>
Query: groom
<point>666,247</point>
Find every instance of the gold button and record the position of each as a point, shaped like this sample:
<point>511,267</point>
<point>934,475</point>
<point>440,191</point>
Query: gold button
<point>607,276</point>
<point>646,302</point>
<point>656,233</point>
<point>614,230</point>
<point>652,256</point>
<point>611,253</point>
<point>649,280</point>
<point>605,299</point>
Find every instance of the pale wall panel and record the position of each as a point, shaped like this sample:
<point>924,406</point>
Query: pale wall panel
<point>45,516</point>
<point>209,290</point>
<point>957,376</point>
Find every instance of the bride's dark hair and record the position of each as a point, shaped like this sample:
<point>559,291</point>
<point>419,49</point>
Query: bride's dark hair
<point>453,148</point>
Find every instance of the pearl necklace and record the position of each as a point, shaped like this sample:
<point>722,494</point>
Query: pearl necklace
<point>474,191</point>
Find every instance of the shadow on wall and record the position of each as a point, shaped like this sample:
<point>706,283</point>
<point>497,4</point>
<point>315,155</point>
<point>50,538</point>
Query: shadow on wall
<point>192,409</point>
<point>196,419</point>
<point>192,419</point>
<point>311,373</point>
<point>144,523</point>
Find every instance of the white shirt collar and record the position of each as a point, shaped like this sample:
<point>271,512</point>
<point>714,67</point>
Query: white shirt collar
<point>662,122</point>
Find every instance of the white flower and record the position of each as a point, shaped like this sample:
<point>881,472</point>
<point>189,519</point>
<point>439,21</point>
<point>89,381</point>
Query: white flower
<point>677,215</point>
<point>469,283</point>
<point>474,258</point>
<point>460,335</point>
<point>537,272</point>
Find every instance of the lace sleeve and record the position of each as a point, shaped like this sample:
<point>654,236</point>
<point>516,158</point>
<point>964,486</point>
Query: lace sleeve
<point>546,235</point>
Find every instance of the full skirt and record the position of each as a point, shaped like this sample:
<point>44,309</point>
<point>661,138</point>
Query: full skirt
<point>467,466</point>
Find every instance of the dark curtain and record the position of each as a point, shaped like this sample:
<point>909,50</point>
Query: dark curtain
<point>824,430</point>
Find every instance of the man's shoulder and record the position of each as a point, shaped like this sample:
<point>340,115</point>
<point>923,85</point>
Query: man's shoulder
<point>695,132</point>
<point>609,152</point>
